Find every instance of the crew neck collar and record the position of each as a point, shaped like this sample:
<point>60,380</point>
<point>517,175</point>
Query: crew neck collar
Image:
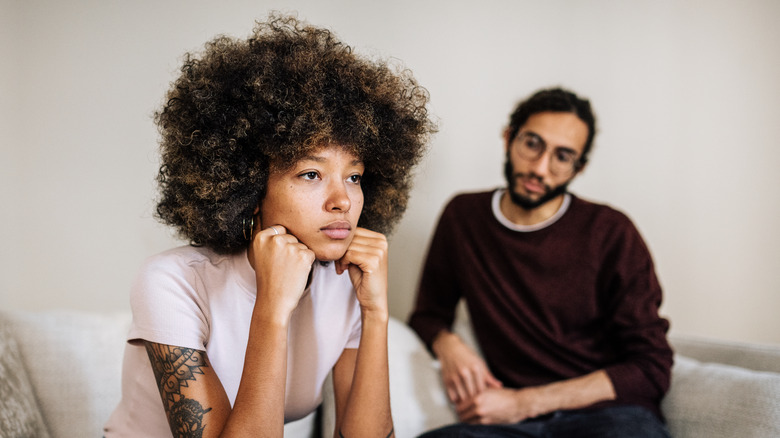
<point>496,206</point>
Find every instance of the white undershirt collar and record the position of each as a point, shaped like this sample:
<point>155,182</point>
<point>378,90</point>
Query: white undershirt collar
<point>496,204</point>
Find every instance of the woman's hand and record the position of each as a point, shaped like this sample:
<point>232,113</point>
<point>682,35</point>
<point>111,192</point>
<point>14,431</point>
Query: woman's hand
<point>366,261</point>
<point>361,379</point>
<point>282,265</point>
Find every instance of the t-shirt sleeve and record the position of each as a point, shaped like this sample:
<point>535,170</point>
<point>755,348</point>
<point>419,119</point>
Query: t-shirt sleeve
<point>354,336</point>
<point>166,304</point>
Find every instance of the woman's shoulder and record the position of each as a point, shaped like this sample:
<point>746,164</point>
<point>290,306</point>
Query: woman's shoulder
<point>186,265</point>
<point>187,256</point>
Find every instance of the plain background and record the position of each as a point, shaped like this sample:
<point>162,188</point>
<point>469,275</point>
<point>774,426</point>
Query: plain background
<point>686,93</point>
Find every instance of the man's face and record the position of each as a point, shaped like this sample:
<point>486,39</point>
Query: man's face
<point>534,182</point>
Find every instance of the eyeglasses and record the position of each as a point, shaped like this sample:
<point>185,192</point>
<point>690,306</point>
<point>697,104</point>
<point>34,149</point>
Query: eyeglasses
<point>531,147</point>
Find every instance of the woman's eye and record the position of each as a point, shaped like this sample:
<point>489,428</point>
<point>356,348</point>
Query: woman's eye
<point>355,178</point>
<point>309,175</point>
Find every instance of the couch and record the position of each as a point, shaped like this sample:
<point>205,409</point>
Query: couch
<point>60,377</point>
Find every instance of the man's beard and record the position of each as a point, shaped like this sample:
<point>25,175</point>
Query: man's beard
<point>524,202</point>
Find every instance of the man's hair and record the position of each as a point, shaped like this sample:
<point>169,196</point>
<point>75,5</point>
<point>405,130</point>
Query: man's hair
<point>245,107</point>
<point>555,100</point>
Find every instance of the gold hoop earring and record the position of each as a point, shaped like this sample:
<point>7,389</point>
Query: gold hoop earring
<point>248,230</point>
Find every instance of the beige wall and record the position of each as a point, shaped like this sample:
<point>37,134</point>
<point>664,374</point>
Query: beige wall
<point>686,93</point>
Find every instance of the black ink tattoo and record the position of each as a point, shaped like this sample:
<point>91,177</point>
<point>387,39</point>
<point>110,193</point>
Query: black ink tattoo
<point>173,368</point>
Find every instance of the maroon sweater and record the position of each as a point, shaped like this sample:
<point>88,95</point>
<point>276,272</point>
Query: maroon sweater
<point>577,296</point>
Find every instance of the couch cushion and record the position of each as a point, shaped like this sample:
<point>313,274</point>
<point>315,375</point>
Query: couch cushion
<point>20,416</point>
<point>74,362</point>
<point>714,400</point>
<point>417,397</point>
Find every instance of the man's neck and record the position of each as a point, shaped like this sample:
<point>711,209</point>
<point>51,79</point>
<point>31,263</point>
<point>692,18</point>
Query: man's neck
<point>521,216</point>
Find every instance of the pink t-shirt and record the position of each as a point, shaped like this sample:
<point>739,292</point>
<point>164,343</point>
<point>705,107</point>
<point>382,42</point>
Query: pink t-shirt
<point>194,298</point>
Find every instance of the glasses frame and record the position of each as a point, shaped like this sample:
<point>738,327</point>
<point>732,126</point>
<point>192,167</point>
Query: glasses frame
<point>524,152</point>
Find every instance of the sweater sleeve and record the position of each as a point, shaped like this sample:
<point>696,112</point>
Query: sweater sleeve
<point>438,292</point>
<point>642,371</point>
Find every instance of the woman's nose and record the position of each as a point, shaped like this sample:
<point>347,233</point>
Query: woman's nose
<point>338,198</point>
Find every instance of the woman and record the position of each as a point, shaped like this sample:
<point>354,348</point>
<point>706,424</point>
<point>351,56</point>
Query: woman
<point>284,158</point>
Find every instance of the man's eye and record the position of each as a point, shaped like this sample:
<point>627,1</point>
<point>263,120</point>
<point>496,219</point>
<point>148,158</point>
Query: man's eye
<point>533,144</point>
<point>564,157</point>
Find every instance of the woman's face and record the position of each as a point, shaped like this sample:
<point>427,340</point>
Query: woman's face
<point>318,200</point>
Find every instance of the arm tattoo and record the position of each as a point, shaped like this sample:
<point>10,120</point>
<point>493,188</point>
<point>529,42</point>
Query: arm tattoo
<point>173,368</point>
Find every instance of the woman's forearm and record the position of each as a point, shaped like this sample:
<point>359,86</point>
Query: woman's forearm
<point>367,413</point>
<point>258,410</point>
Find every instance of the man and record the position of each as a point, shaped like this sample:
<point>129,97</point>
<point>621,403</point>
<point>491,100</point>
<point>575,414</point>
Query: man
<point>562,295</point>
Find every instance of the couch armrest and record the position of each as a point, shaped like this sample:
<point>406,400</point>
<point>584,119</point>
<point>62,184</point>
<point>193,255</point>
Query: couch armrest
<point>745,355</point>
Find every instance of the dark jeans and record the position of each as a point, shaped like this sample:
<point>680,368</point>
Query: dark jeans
<point>611,422</point>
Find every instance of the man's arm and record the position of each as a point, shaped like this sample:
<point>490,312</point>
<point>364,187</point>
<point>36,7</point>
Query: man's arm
<point>480,398</point>
<point>438,293</point>
<point>464,373</point>
<point>502,405</point>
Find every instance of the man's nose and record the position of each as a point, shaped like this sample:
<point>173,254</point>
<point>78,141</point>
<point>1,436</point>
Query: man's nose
<point>541,166</point>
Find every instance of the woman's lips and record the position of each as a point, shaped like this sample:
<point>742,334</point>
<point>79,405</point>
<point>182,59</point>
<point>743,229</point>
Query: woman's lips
<point>337,230</point>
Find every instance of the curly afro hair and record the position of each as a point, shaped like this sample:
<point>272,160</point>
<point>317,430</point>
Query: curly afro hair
<point>245,107</point>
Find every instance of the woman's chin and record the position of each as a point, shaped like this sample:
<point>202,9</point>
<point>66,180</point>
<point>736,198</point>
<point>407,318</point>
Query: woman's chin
<point>329,253</point>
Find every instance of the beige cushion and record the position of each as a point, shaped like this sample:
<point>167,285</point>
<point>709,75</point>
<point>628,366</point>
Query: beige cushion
<point>710,400</point>
<point>20,416</point>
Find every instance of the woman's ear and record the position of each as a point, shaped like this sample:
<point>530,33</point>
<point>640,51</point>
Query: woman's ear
<point>257,218</point>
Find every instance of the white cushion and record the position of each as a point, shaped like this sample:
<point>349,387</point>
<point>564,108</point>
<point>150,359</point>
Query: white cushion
<point>303,428</point>
<point>417,397</point>
<point>20,416</point>
<point>711,400</point>
<point>73,360</point>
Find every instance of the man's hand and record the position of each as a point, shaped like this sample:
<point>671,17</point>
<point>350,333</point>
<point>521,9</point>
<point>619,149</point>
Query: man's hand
<point>499,406</point>
<point>463,371</point>
<point>502,406</point>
